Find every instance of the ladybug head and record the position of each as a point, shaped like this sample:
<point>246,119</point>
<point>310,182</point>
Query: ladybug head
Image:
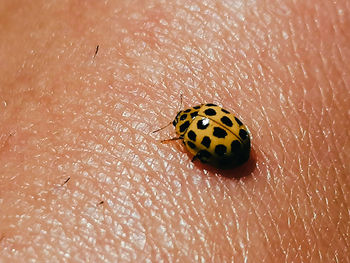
<point>176,120</point>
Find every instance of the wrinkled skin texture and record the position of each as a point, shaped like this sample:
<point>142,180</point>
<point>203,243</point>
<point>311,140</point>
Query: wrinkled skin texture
<point>282,66</point>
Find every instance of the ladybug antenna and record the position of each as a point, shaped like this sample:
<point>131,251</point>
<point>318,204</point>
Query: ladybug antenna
<point>180,106</point>
<point>162,127</point>
<point>171,121</point>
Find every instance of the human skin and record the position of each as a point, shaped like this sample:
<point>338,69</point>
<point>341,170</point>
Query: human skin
<point>66,113</point>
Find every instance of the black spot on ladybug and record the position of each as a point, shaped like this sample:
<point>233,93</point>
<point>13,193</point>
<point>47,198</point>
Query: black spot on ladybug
<point>206,141</point>
<point>203,124</point>
<point>197,107</point>
<point>174,122</point>
<point>220,149</point>
<point>192,135</point>
<point>188,110</point>
<point>219,132</point>
<point>203,155</point>
<point>243,134</point>
<point>238,121</point>
<point>183,117</point>
<point>225,111</point>
<point>194,114</point>
<point>184,126</point>
<point>235,146</point>
<point>191,144</point>
<point>210,112</point>
<point>210,105</point>
<point>226,120</point>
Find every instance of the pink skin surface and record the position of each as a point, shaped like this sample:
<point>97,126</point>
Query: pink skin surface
<point>281,66</point>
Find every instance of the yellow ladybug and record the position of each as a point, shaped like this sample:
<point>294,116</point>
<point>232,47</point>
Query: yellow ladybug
<point>213,135</point>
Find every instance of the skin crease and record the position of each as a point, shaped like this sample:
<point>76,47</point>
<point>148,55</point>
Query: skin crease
<point>281,66</point>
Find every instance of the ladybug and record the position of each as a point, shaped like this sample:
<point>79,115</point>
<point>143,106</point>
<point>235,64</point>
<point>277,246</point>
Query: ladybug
<point>212,135</point>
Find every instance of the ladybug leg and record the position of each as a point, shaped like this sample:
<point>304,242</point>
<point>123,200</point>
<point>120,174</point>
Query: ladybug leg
<point>203,156</point>
<point>162,127</point>
<point>195,158</point>
<point>172,139</point>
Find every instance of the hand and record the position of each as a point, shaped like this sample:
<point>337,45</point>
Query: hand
<point>282,66</point>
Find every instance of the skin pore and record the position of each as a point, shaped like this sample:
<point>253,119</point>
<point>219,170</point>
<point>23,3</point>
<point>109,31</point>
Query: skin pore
<point>84,179</point>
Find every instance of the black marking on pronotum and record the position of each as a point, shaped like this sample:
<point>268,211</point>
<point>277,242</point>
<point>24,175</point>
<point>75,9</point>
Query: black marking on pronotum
<point>194,114</point>
<point>183,117</point>
<point>184,126</point>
